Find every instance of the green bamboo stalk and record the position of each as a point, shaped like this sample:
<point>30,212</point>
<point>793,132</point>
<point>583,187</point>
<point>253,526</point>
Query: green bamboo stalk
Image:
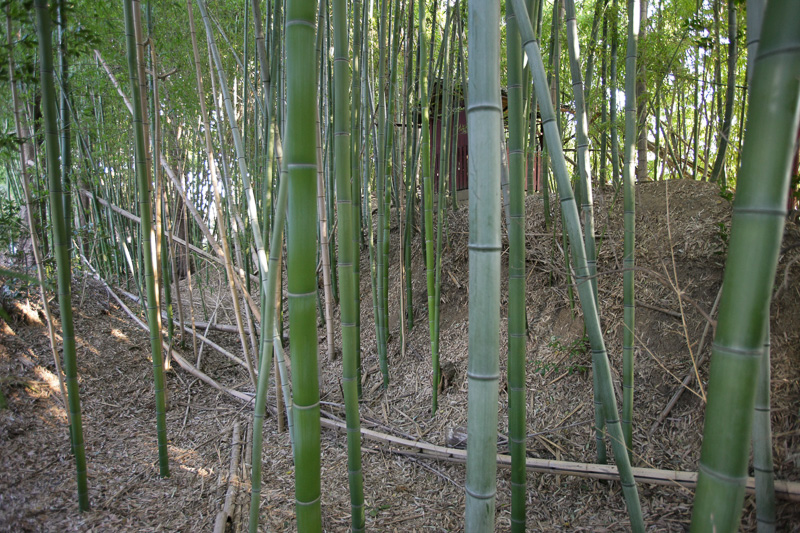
<point>762,444</point>
<point>718,170</point>
<point>136,70</point>
<point>484,123</point>
<point>66,129</point>
<point>599,8</point>
<point>591,318</point>
<point>355,173</point>
<point>61,246</point>
<point>755,15</point>
<point>535,12</point>
<point>410,168</point>
<point>517,404</point>
<point>629,245</point>
<point>604,108</point>
<point>33,224</point>
<point>440,125</point>
<point>612,99</point>
<point>301,158</point>
<point>582,140</point>
<point>756,231</point>
<point>347,288</point>
<point>268,344</point>
<point>427,197</point>
<point>162,261</point>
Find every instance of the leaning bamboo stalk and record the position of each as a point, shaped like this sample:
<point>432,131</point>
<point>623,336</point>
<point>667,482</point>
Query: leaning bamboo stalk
<point>239,147</point>
<point>268,345</point>
<point>756,232</point>
<point>591,319</point>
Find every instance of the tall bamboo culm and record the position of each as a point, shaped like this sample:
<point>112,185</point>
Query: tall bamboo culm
<point>762,445</point>
<point>61,245</point>
<point>347,289</point>
<point>301,159</point>
<point>629,251</point>
<point>517,403</point>
<point>585,180</point>
<point>427,196</point>
<point>133,34</point>
<point>484,124</point>
<point>268,340</point>
<point>756,231</point>
<point>600,362</point>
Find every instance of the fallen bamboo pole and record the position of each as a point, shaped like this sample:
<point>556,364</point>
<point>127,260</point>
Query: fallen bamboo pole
<point>786,490</point>
<point>138,220</point>
<point>183,363</point>
<point>221,521</point>
<point>203,338</point>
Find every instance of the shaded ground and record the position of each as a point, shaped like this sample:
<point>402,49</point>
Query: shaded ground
<point>37,488</point>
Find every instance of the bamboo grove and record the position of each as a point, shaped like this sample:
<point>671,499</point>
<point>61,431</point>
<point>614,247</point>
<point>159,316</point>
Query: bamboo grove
<point>280,141</point>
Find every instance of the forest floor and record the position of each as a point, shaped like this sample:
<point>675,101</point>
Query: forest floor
<point>403,492</point>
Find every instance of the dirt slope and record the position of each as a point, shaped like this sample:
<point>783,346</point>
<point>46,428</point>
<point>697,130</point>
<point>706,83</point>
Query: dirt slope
<point>37,490</point>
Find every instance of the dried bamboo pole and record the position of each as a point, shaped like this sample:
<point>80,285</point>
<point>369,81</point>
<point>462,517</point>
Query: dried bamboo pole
<point>225,514</point>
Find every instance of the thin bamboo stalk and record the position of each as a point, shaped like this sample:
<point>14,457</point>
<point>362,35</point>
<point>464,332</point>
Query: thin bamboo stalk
<point>427,198</point>
<point>629,246</point>
<point>517,337</point>
<point>762,444</point>
<point>348,290</point>
<point>135,46</point>
<point>61,246</point>
<point>33,225</point>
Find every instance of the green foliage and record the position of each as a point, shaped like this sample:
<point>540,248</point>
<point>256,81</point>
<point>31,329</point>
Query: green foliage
<point>11,225</point>
<point>571,357</point>
<point>13,286</point>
